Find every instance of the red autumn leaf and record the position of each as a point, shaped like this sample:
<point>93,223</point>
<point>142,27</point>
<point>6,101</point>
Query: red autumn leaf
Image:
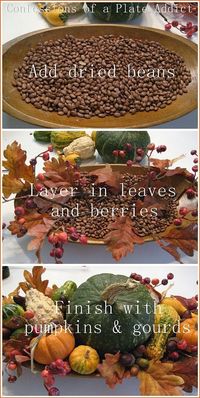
<point>186,302</point>
<point>112,370</point>
<point>188,370</point>
<point>176,171</point>
<point>34,280</point>
<point>150,202</point>
<point>13,344</point>
<point>31,220</point>
<point>39,233</point>
<point>121,238</point>
<point>58,173</point>
<point>171,249</point>
<point>107,176</point>
<point>184,239</point>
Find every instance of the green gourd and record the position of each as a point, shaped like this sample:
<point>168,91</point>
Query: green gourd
<point>61,139</point>
<point>117,291</point>
<point>13,316</point>
<point>116,12</point>
<point>107,142</point>
<point>166,317</point>
<point>67,290</point>
<point>42,136</point>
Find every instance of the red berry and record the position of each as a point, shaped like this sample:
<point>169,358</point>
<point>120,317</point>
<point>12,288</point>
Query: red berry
<point>164,282</point>
<point>191,177</point>
<point>53,391</point>
<point>189,25</point>
<point>195,168</point>
<point>177,222</point>
<point>11,365</point>
<point>190,33</point>
<point>63,237</point>
<point>194,213</point>
<point>30,204</point>
<point>19,211</point>
<point>151,147</point>
<point>170,276</point>
<point>59,362</point>
<point>129,163</point>
<point>13,353</point>
<point>38,187</point>
<point>45,373</point>
<point>74,236</point>
<point>83,240</point>
<point>152,175</point>
<point>163,148</point>
<point>52,253</point>
<point>175,24</point>
<point>122,154</point>
<point>155,281</point>
<point>195,28</point>
<point>128,147</point>
<point>183,211</point>
<point>147,280</point>
<point>158,149</point>
<point>182,345</point>
<point>195,160</point>
<point>45,156</point>
<point>168,26</point>
<point>53,238</point>
<point>12,379</point>
<point>138,277</point>
<point>59,252</point>
<point>193,152</point>
<point>182,28</point>
<point>132,276</point>
<point>33,162</point>
<point>190,193</point>
<point>71,230</point>
<point>50,148</point>
<point>194,348</point>
<point>140,151</point>
<point>29,314</point>
<point>171,345</point>
<point>41,177</point>
<point>115,152</point>
<point>174,356</point>
<point>21,221</point>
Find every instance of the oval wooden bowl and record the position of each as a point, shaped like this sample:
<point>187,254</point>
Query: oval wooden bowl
<point>15,50</point>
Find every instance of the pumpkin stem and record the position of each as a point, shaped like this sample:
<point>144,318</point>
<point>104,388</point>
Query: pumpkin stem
<point>110,293</point>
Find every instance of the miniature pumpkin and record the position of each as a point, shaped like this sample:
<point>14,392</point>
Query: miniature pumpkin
<point>189,331</point>
<point>57,345</point>
<point>84,360</point>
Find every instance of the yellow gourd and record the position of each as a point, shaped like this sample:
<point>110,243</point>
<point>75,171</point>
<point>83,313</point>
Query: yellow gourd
<point>84,360</point>
<point>176,304</point>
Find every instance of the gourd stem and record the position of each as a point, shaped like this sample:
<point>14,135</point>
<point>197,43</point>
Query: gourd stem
<point>110,293</point>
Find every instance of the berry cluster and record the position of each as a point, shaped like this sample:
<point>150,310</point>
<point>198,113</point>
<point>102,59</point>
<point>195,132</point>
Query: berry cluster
<point>189,29</point>
<point>58,239</point>
<point>136,361</point>
<point>176,347</point>
<point>123,152</point>
<point>140,152</point>
<point>153,282</point>
<point>58,367</point>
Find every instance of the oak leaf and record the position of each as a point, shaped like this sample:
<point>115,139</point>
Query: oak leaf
<point>165,163</point>
<point>159,380</point>
<point>187,369</point>
<point>11,185</point>
<point>57,174</point>
<point>39,233</point>
<point>107,176</point>
<point>34,279</point>
<point>112,370</point>
<point>121,238</point>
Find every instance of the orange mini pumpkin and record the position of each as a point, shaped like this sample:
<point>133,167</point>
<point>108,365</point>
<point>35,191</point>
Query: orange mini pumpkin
<point>57,345</point>
<point>189,331</point>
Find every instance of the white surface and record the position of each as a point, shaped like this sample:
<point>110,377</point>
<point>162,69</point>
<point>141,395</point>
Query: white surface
<point>29,384</point>
<point>19,18</point>
<point>14,250</point>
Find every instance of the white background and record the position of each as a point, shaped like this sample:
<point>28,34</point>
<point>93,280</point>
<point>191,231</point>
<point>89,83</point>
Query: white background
<point>178,142</point>
<point>29,384</point>
<point>19,18</point>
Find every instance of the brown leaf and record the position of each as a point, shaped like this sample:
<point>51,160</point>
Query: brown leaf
<point>107,176</point>
<point>112,370</point>
<point>188,370</point>
<point>185,239</point>
<point>121,238</point>
<point>165,163</point>
<point>57,173</point>
<point>13,344</point>
<point>159,380</point>
<point>9,298</point>
<point>39,233</point>
<point>11,185</point>
<point>34,280</point>
<point>150,202</point>
<point>171,249</point>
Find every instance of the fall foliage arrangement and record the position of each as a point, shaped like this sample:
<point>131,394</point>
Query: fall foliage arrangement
<point>43,331</point>
<point>138,204</point>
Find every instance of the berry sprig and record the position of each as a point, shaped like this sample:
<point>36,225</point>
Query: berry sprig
<point>155,282</point>
<point>44,155</point>
<point>176,348</point>
<point>189,29</point>
<point>59,238</point>
<point>58,367</point>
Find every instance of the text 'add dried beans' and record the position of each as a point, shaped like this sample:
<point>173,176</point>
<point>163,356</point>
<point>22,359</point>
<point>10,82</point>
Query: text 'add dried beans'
<point>119,75</point>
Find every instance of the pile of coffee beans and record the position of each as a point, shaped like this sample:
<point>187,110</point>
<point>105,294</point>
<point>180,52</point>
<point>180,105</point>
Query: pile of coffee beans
<point>96,227</point>
<point>66,93</point>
